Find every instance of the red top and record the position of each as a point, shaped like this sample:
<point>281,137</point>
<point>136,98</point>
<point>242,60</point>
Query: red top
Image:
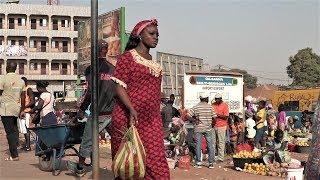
<point>221,109</point>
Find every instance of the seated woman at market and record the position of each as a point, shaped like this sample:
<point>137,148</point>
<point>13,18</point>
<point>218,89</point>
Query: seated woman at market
<point>278,143</point>
<point>306,127</point>
<point>177,137</point>
<point>291,121</point>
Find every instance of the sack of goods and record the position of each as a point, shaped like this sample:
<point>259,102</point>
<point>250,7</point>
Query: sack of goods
<point>129,162</point>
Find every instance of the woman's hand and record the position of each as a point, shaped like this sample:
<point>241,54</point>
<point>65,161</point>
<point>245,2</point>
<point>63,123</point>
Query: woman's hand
<point>133,119</point>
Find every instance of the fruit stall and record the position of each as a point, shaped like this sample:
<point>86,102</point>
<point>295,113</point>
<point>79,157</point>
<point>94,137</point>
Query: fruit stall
<point>277,163</point>
<point>300,144</point>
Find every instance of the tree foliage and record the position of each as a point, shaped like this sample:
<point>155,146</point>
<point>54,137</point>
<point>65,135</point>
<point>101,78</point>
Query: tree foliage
<point>250,81</point>
<point>304,68</point>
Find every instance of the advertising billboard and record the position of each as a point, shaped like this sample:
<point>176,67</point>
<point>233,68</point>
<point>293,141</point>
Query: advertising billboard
<point>109,29</point>
<point>228,85</point>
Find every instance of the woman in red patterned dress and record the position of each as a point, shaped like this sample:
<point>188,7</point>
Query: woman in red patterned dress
<point>138,80</point>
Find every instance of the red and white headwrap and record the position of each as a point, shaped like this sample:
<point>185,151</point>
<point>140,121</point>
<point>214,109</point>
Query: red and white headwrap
<point>142,25</point>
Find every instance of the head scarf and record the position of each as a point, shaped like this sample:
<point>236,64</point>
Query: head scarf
<point>142,25</point>
<point>179,122</point>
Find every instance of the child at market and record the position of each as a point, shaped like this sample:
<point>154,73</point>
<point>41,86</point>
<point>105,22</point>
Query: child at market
<point>272,123</point>
<point>250,127</point>
<point>233,134</point>
<point>240,127</point>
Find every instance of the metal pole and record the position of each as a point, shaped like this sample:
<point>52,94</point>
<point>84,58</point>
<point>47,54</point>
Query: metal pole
<point>122,29</point>
<point>94,88</point>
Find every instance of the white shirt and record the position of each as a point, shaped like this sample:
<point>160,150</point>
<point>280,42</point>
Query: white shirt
<point>47,100</point>
<point>250,123</point>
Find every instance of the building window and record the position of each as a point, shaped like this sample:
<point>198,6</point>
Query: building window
<point>33,44</point>
<point>180,67</point>
<point>63,23</point>
<point>186,67</point>
<point>1,23</point>
<point>1,42</point>
<point>21,68</point>
<point>76,25</point>
<point>21,43</point>
<point>75,68</point>
<point>13,42</point>
<point>21,22</point>
<point>43,68</point>
<point>64,70</point>
<point>65,46</point>
<point>165,66</point>
<point>164,82</point>
<point>33,24</point>
<point>11,23</point>
<point>43,22</point>
<point>43,46</point>
<point>55,24</point>
<point>56,44</point>
<point>75,43</point>
<point>33,66</point>
<point>194,67</point>
<point>0,68</point>
<point>173,68</point>
<point>180,81</point>
<point>55,66</point>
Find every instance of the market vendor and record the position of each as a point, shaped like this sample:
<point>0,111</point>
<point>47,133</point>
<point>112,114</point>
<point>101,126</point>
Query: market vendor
<point>177,138</point>
<point>291,121</point>
<point>278,143</point>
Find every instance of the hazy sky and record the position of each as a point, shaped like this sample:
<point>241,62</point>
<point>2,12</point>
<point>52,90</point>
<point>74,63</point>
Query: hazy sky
<point>255,35</point>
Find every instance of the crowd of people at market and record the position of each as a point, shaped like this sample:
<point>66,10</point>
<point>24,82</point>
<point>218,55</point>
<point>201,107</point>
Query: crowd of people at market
<point>129,95</point>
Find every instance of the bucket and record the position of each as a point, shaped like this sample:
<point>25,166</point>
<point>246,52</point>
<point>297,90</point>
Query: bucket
<point>295,174</point>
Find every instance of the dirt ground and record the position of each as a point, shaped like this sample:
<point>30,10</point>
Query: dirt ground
<point>27,168</point>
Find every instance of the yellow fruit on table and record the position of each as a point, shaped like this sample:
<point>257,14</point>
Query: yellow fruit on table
<point>303,143</point>
<point>247,154</point>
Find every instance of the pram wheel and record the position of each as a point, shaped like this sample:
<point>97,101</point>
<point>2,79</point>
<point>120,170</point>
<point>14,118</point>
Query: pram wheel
<point>46,163</point>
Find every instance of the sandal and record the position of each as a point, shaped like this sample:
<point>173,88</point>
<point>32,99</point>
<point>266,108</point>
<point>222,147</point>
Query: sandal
<point>11,159</point>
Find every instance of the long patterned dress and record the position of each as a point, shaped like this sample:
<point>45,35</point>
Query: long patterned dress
<point>313,164</point>
<point>142,80</point>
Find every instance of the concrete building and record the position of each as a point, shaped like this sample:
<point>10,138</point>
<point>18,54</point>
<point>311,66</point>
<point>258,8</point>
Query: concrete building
<point>174,66</point>
<point>42,39</point>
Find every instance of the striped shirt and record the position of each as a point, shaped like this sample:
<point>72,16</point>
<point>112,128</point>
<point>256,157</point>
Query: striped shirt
<point>204,114</point>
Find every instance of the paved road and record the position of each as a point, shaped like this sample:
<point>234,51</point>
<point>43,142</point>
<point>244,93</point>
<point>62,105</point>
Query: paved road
<point>27,168</point>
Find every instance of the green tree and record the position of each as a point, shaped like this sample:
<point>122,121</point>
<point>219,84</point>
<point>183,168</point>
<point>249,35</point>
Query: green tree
<point>304,68</point>
<point>250,81</point>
